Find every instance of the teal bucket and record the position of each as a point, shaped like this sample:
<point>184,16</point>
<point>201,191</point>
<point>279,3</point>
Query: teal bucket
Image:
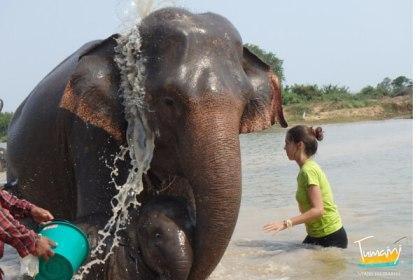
<point>72,249</point>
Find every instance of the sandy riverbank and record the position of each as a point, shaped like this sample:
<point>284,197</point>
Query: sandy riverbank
<point>341,111</point>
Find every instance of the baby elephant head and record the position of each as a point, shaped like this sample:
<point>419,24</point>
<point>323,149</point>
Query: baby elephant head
<point>166,228</point>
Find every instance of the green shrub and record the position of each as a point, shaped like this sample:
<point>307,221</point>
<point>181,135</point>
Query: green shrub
<point>5,119</point>
<point>299,109</point>
<point>290,97</point>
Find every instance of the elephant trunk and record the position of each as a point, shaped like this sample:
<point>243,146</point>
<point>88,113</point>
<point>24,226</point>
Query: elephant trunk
<point>214,171</point>
<point>180,269</point>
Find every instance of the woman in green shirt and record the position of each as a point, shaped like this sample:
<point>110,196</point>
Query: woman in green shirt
<point>318,210</point>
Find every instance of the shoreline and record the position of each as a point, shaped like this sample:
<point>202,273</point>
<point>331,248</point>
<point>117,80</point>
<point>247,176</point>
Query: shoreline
<point>347,120</point>
<point>277,128</point>
<point>326,112</point>
<point>343,111</point>
<point>311,122</point>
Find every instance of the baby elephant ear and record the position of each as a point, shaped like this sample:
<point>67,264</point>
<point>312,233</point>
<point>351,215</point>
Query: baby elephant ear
<point>264,108</point>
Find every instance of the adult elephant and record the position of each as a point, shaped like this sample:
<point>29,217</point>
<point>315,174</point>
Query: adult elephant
<point>201,89</point>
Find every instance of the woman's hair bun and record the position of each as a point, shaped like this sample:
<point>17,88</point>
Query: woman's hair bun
<point>318,133</point>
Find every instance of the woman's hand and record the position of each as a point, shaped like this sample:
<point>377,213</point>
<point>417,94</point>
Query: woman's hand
<point>41,215</point>
<point>43,248</point>
<point>274,227</point>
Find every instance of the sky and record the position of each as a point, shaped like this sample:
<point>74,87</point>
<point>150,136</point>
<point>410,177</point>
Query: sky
<point>348,43</point>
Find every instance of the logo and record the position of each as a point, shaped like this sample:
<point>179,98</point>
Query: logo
<point>381,257</point>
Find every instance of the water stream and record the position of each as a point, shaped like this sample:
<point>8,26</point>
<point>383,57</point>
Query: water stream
<point>140,141</point>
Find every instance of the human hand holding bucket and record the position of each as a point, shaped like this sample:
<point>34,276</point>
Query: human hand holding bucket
<point>44,248</point>
<point>70,251</point>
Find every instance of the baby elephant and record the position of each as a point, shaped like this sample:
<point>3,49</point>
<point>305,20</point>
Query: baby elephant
<point>166,229</point>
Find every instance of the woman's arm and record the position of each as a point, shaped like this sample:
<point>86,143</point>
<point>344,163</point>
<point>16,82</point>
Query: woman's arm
<point>316,211</point>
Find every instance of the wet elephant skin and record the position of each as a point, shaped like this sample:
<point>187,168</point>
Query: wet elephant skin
<point>165,235</point>
<point>202,90</point>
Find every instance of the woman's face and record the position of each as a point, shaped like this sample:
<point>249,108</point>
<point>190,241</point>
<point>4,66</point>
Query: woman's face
<point>291,148</point>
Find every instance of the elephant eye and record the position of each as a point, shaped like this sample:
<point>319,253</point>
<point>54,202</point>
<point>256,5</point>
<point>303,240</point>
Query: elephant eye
<point>168,101</point>
<point>157,235</point>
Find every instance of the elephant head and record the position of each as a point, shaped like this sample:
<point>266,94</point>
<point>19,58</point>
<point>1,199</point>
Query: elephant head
<point>203,89</point>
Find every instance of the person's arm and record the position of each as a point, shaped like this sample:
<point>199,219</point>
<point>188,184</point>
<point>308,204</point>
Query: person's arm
<point>316,211</point>
<point>24,240</point>
<point>19,208</point>
<point>16,235</point>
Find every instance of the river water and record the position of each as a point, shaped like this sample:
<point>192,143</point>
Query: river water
<point>369,166</point>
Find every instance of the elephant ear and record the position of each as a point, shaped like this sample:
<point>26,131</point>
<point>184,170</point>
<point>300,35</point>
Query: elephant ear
<point>91,93</point>
<point>264,108</point>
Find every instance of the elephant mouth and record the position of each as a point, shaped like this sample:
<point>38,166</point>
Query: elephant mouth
<point>172,185</point>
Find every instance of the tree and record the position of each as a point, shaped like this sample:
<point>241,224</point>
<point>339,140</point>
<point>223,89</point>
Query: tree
<point>270,58</point>
<point>290,97</point>
<point>5,119</point>
<point>334,90</point>
<point>306,92</point>
<point>368,91</point>
<point>400,83</point>
<point>384,88</point>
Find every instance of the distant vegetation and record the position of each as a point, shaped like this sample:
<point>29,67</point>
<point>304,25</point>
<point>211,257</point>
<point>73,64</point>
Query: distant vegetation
<point>5,119</point>
<point>303,93</point>
<point>299,93</point>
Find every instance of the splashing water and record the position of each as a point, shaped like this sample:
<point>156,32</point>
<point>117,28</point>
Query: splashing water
<point>130,11</point>
<point>140,139</point>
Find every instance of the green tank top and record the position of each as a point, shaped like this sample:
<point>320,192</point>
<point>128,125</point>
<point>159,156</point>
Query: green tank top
<point>311,174</point>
